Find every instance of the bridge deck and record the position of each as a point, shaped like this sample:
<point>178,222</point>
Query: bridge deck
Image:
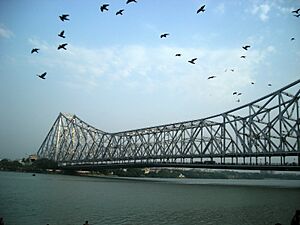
<point>95,167</point>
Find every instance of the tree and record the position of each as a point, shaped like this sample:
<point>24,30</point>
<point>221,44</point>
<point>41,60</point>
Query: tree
<point>45,164</point>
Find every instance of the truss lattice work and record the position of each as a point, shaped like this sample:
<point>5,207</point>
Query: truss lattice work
<point>267,127</point>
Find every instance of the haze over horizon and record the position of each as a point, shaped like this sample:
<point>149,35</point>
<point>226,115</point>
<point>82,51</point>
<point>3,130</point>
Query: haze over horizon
<point>118,73</point>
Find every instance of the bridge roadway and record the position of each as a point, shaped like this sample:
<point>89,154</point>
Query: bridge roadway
<point>228,166</point>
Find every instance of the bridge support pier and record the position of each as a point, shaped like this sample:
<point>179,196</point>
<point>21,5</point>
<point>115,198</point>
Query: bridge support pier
<point>282,160</point>
<point>265,160</point>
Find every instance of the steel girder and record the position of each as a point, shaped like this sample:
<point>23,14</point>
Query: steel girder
<point>267,127</point>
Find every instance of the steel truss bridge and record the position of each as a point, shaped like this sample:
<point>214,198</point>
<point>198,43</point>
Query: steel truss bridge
<point>264,134</point>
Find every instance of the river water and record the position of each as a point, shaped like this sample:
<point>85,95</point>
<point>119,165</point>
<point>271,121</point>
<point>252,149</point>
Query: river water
<point>71,200</point>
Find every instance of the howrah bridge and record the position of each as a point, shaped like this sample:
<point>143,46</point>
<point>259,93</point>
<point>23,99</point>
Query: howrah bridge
<point>264,135</point>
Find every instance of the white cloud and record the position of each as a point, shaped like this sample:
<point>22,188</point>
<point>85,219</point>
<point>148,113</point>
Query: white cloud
<point>153,69</point>
<point>220,9</point>
<point>36,42</point>
<point>278,7</point>
<point>5,32</point>
<point>262,11</point>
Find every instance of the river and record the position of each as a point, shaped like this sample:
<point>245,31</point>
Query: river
<point>71,200</point>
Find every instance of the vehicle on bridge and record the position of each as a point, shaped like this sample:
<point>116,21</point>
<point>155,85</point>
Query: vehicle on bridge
<point>210,162</point>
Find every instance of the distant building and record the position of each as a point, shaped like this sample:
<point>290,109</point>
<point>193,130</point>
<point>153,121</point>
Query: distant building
<point>148,170</point>
<point>181,176</point>
<point>32,158</point>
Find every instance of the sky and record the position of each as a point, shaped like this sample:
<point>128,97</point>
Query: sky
<point>117,73</point>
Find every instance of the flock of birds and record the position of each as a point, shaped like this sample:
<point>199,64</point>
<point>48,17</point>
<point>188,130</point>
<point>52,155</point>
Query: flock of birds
<point>104,8</point>
<point>63,18</point>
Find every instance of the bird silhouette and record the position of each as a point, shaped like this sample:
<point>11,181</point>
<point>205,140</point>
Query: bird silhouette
<point>232,70</point>
<point>252,82</point>
<point>292,39</point>
<point>128,1</point>
<point>243,56</point>
<point>164,35</point>
<point>269,85</point>
<point>120,12</point>
<point>62,46</point>
<point>104,7</point>
<point>211,77</point>
<point>238,100</point>
<point>64,17</point>
<point>239,93</point>
<point>42,76</point>
<point>35,50</point>
<point>296,11</point>
<point>297,15</point>
<point>61,34</point>
<point>201,9</point>
<point>192,60</point>
<point>234,93</point>
<point>246,47</point>
<point>178,54</point>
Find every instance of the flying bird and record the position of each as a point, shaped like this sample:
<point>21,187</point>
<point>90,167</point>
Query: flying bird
<point>238,100</point>
<point>234,93</point>
<point>35,50</point>
<point>128,1</point>
<point>201,9</point>
<point>211,77</point>
<point>178,54</point>
<point>292,39</point>
<point>61,34</point>
<point>269,85</point>
<point>252,82</point>
<point>232,70</point>
<point>164,35</point>
<point>62,46</point>
<point>104,7</point>
<point>64,17</point>
<point>297,15</point>
<point>246,47</point>
<point>243,56</point>
<point>239,93</point>
<point>120,12</point>
<point>296,11</point>
<point>192,60</point>
<point>42,76</point>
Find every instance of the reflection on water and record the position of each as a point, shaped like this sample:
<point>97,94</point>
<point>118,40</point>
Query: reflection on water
<point>70,200</point>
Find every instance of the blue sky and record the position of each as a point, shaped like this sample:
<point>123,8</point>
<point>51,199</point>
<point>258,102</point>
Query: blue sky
<point>118,74</point>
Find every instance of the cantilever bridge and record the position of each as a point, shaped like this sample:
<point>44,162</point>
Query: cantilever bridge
<point>264,134</point>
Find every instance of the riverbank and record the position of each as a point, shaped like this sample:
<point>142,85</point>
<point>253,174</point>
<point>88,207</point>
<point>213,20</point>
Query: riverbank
<point>47,166</point>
